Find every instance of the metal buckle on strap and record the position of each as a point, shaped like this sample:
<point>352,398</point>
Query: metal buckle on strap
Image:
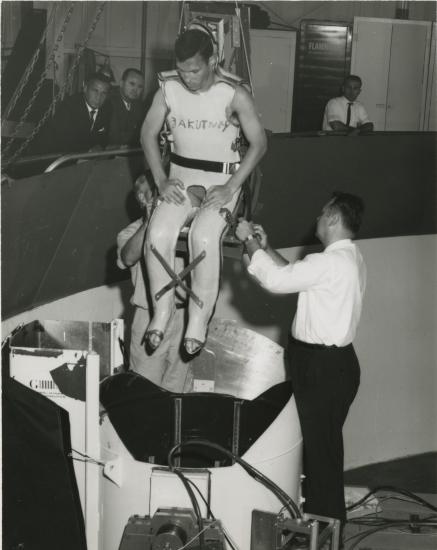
<point>230,167</point>
<point>206,165</point>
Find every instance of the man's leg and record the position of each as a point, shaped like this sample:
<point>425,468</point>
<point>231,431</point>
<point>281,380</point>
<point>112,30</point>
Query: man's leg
<point>325,383</point>
<point>150,365</point>
<point>162,233</point>
<point>176,368</point>
<point>205,236</point>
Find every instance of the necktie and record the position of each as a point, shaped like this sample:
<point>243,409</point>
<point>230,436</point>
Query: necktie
<point>92,115</point>
<point>348,116</point>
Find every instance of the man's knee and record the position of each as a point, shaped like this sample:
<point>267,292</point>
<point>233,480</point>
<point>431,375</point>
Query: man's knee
<point>159,230</point>
<point>206,229</point>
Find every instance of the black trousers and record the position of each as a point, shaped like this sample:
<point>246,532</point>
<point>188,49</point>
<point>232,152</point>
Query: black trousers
<point>325,382</point>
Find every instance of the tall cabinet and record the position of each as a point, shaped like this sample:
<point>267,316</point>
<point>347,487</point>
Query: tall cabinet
<point>392,58</point>
<point>272,63</point>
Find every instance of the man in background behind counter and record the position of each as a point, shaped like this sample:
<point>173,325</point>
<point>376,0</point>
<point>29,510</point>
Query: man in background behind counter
<point>345,113</point>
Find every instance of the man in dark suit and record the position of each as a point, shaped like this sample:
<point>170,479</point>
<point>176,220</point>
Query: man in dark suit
<point>81,122</point>
<point>128,110</point>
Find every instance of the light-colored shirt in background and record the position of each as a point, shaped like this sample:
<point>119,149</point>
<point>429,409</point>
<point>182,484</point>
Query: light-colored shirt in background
<point>139,296</point>
<point>336,109</point>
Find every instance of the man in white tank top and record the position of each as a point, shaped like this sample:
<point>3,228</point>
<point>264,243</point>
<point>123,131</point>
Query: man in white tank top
<point>204,108</point>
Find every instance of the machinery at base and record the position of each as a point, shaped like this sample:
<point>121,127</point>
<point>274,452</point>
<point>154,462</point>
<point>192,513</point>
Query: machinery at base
<point>234,435</point>
<point>171,529</point>
<point>276,532</point>
<point>176,528</point>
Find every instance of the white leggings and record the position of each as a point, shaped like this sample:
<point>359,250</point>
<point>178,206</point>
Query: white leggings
<point>205,234</point>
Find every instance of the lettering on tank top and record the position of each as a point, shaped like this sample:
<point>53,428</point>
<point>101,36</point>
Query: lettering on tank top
<point>198,124</point>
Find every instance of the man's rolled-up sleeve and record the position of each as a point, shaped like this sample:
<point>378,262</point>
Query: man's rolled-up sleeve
<point>334,111</point>
<point>123,237</point>
<point>121,241</point>
<point>363,117</point>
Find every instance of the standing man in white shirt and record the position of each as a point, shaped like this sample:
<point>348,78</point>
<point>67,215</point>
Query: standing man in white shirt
<point>324,368</point>
<point>345,113</point>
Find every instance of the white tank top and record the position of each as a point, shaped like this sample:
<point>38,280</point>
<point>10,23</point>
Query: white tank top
<point>200,126</point>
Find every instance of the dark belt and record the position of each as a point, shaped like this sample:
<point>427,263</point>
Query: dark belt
<point>311,345</point>
<point>206,165</point>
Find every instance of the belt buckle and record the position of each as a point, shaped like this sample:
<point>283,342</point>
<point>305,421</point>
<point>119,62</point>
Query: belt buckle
<point>234,166</point>
<point>230,167</point>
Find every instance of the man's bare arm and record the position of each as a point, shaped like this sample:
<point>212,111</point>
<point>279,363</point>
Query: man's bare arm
<point>168,189</point>
<point>243,106</point>
<point>366,127</point>
<point>339,126</point>
<point>245,109</point>
<point>132,250</point>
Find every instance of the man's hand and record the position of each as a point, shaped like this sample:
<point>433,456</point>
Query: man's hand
<point>261,235</point>
<point>244,229</point>
<point>217,196</point>
<point>169,191</point>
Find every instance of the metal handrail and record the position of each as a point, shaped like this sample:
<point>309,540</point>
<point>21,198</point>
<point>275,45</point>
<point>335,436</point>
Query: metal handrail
<point>79,156</point>
<point>30,159</point>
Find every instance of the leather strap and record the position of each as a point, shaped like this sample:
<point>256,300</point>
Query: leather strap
<point>206,165</point>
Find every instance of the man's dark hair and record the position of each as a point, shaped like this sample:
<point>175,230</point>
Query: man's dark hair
<point>353,78</point>
<point>191,42</point>
<point>126,73</point>
<point>97,77</point>
<point>351,209</point>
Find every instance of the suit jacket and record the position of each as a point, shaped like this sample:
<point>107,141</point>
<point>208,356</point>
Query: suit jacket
<point>125,125</point>
<point>70,129</point>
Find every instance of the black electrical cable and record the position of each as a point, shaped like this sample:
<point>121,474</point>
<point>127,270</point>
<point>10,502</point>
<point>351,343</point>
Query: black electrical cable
<point>361,536</point>
<point>282,496</point>
<point>385,498</point>
<point>199,492</point>
<point>210,514</point>
<point>253,472</point>
<point>390,488</point>
<point>381,520</point>
<point>195,505</point>
<point>380,523</point>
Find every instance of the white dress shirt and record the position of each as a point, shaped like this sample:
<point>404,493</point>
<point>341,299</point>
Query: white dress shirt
<point>331,286</point>
<point>336,109</point>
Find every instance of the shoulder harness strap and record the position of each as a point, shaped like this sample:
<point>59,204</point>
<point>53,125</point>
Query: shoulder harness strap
<point>230,78</point>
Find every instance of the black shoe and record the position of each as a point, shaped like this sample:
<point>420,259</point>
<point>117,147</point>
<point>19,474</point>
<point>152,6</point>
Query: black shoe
<point>193,346</point>
<point>154,338</point>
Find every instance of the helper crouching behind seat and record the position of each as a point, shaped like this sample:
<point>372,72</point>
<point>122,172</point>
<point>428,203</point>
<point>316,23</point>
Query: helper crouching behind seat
<point>203,108</point>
